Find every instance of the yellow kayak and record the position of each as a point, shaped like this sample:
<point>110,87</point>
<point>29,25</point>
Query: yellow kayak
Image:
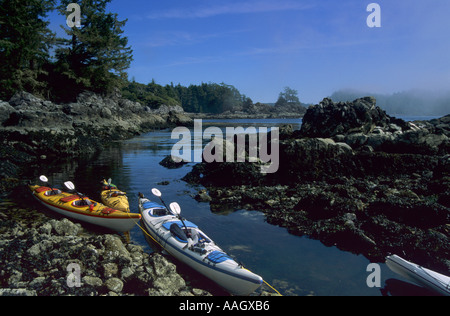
<point>111,196</point>
<point>84,209</point>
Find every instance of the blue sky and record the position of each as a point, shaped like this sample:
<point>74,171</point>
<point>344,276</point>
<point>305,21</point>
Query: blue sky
<point>315,47</point>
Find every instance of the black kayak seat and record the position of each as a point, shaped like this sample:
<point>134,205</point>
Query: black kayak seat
<point>177,229</point>
<point>178,233</point>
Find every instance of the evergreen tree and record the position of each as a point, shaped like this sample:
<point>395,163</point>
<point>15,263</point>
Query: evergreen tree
<point>25,41</point>
<point>288,97</point>
<point>151,95</point>
<point>96,56</point>
<point>204,98</point>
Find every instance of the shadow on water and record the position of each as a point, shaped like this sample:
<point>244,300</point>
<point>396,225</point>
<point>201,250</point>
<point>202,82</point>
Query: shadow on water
<point>394,287</point>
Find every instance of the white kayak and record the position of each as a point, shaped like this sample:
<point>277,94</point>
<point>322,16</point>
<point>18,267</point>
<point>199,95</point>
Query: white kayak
<point>198,250</point>
<point>421,276</point>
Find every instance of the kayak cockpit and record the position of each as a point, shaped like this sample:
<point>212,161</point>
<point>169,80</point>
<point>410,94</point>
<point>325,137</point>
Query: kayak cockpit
<point>82,203</point>
<point>181,231</point>
<point>155,210</point>
<point>189,234</point>
<point>53,192</point>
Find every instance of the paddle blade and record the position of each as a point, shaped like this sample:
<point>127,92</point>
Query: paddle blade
<point>175,208</point>
<point>43,179</point>
<point>156,192</point>
<point>69,185</point>
<point>109,181</point>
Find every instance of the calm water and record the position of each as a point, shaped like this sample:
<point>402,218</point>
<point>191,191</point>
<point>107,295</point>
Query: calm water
<point>294,265</point>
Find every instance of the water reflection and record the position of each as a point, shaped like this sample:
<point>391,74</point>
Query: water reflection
<point>394,287</point>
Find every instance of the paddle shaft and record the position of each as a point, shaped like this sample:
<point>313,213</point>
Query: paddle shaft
<point>51,185</point>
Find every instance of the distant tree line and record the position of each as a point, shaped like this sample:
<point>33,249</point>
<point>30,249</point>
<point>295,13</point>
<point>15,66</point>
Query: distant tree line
<point>204,98</point>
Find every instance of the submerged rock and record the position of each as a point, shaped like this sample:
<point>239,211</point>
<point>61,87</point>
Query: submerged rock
<point>170,163</point>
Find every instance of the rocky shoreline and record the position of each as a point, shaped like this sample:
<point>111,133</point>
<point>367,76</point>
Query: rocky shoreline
<point>244,116</point>
<point>353,177</point>
<point>36,251</point>
<point>33,130</point>
<point>257,111</point>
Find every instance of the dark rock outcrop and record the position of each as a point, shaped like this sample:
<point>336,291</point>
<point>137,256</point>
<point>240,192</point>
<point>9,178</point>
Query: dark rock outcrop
<point>328,119</point>
<point>362,124</point>
<point>169,163</point>
<point>352,177</point>
<point>32,128</point>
